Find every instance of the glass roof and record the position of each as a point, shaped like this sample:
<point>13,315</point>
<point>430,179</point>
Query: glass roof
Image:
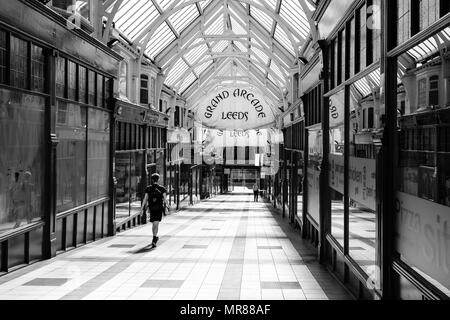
<point>194,41</point>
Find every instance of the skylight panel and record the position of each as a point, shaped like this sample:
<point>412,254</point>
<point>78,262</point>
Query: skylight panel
<point>200,68</point>
<point>274,67</point>
<point>264,19</point>
<point>268,3</point>
<point>220,46</point>
<point>204,4</point>
<point>188,81</point>
<point>182,18</point>
<point>292,12</point>
<point>159,41</point>
<point>134,30</point>
<point>216,28</point>
<point>261,55</point>
<point>236,26</point>
<point>282,38</point>
<point>196,53</point>
<point>176,72</point>
<point>241,46</point>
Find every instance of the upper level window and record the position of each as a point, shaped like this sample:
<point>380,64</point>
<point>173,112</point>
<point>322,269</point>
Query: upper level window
<point>70,6</point>
<point>144,89</point>
<point>422,91</point>
<point>3,55</point>
<point>433,95</point>
<point>153,92</point>
<point>123,78</point>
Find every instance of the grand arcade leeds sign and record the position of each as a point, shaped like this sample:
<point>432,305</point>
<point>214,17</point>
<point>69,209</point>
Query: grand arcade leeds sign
<point>235,109</point>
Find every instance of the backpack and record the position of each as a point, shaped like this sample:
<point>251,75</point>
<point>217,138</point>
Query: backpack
<point>155,199</point>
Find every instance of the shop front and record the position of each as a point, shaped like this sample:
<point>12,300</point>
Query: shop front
<point>55,120</point>
<point>139,153</point>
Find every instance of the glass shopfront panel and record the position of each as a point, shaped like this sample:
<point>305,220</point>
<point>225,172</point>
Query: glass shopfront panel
<point>22,159</point>
<point>98,154</point>
<point>423,197</point>
<point>315,155</point>
<point>336,162</point>
<point>299,185</point>
<point>71,125</point>
<point>129,189</point>
<point>362,183</point>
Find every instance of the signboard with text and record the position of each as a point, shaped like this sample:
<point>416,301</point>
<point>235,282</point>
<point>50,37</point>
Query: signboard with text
<point>235,109</point>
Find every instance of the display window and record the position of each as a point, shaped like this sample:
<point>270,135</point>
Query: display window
<point>423,195</point>
<point>22,159</point>
<point>336,164</point>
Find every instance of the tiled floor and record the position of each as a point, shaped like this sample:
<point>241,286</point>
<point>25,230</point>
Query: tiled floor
<point>203,254</point>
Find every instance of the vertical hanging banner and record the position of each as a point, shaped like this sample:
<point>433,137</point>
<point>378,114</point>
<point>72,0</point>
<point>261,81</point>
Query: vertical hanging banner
<point>235,109</point>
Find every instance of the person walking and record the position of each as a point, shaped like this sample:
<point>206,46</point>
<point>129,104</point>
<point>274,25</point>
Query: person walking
<point>255,192</point>
<point>155,197</point>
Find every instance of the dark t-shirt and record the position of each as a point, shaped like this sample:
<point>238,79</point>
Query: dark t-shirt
<point>161,189</point>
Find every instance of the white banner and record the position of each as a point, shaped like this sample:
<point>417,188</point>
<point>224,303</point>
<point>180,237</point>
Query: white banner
<point>337,108</point>
<point>235,109</point>
<point>423,231</point>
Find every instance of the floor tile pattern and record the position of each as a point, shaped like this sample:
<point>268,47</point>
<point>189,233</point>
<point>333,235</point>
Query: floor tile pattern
<point>225,248</point>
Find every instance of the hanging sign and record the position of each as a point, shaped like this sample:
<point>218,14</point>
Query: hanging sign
<point>231,109</point>
<point>337,108</point>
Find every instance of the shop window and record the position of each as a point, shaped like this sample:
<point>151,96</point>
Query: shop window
<point>71,156</point>
<point>72,80</point>
<point>423,173</point>
<point>3,57</point>
<point>336,162</point>
<point>82,78</point>
<point>98,154</point>
<point>61,77</point>
<point>144,89</point>
<point>433,96</point>
<point>19,63</point>
<point>91,87</point>
<point>22,159</point>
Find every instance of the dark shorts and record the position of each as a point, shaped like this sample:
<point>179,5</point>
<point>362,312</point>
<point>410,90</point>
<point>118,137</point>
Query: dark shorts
<point>156,216</point>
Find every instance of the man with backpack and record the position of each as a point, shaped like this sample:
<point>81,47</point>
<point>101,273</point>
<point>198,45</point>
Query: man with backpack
<point>155,197</point>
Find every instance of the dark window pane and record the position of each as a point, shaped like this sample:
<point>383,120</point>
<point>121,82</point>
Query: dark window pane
<point>72,85</point>
<point>434,91</point>
<point>37,68</point>
<point>108,95</point>
<point>71,156</point>
<point>100,98</point>
<point>144,89</point>
<point>60,77</point>
<point>19,63</point>
<point>3,56</point>
<point>91,87</point>
<point>98,154</point>
<point>82,84</point>
<point>22,159</point>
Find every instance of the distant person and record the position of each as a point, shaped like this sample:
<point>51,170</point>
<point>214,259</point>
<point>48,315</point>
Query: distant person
<point>155,197</point>
<point>255,192</point>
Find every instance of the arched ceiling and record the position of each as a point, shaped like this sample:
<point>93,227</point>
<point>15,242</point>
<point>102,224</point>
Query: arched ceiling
<point>203,44</point>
